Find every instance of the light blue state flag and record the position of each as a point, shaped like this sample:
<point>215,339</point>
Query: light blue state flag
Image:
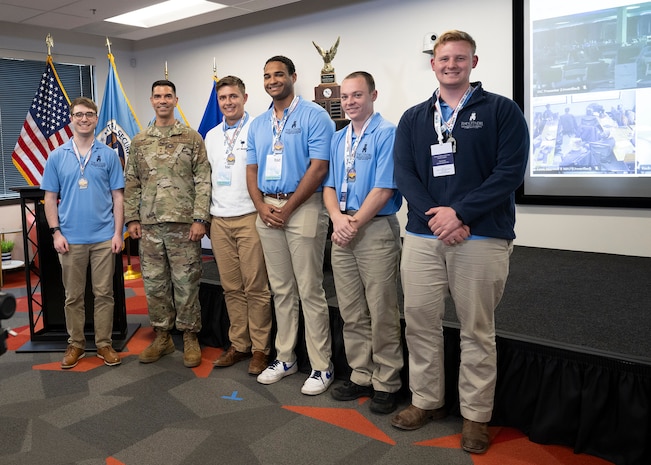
<point>213,115</point>
<point>117,123</point>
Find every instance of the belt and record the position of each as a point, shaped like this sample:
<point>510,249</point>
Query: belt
<point>352,213</point>
<point>278,195</point>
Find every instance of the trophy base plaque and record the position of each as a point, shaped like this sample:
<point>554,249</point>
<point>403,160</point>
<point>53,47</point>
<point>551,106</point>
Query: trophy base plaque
<point>328,96</point>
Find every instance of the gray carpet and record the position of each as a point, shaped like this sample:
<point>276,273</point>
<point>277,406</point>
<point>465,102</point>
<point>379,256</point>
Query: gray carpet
<point>162,413</point>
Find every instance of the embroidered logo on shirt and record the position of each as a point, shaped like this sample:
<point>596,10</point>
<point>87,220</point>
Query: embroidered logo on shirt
<point>472,122</point>
<point>293,129</point>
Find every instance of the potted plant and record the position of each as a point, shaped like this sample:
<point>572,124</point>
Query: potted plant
<point>7,247</point>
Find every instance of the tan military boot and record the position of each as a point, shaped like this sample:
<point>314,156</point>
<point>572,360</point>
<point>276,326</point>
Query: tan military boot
<point>191,350</point>
<point>162,345</point>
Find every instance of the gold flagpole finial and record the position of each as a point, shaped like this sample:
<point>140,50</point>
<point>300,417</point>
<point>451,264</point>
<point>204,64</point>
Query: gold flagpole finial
<point>49,41</point>
<point>166,75</point>
<point>108,45</point>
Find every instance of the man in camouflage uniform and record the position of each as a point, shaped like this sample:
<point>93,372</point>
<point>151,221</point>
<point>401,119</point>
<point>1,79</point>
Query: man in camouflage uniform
<point>167,200</point>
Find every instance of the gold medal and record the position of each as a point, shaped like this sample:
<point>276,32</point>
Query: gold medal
<point>230,159</point>
<point>83,183</point>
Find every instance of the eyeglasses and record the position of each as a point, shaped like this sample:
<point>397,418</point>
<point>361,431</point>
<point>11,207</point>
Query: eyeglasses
<point>88,114</point>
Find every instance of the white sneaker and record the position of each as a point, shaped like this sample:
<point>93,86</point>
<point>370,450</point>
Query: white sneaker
<point>277,371</point>
<point>318,382</point>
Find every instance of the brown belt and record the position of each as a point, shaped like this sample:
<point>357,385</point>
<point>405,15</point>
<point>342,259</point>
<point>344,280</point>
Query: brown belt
<point>278,195</point>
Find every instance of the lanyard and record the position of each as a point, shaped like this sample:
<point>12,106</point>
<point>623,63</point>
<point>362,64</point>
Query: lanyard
<point>349,152</point>
<point>279,125</point>
<point>82,165</point>
<point>230,142</point>
<point>449,124</point>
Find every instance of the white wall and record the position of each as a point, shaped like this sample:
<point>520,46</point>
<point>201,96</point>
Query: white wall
<point>383,37</point>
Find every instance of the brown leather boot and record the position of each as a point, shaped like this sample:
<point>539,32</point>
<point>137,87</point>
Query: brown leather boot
<point>162,345</point>
<point>191,350</point>
<point>475,437</point>
<point>413,417</point>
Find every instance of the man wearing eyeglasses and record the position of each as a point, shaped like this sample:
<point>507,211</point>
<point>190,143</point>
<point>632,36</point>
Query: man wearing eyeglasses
<point>86,227</point>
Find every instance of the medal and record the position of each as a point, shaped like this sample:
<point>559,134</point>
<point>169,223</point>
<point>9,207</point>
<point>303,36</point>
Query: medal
<point>277,126</point>
<point>352,175</point>
<point>83,182</point>
<point>229,142</point>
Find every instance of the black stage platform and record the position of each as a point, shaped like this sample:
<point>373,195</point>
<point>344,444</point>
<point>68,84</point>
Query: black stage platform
<point>574,364</point>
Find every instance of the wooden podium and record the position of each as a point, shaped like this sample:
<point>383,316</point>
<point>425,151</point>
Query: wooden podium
<point>47,323</point>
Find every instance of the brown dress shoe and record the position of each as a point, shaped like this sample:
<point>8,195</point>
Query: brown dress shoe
<point>475,437</point>
<point>413,417</point>
<point>258,363</point>
<point>72,356</point>
<point>109,356</point>
<point>231,357</point>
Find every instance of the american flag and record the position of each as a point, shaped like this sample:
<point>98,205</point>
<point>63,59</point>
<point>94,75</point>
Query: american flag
<point>46,126</point>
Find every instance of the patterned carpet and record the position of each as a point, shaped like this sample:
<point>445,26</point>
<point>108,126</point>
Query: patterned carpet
<point>164,413</point>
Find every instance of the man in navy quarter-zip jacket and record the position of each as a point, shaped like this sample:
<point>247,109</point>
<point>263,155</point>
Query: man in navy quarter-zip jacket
<point>459,157</point>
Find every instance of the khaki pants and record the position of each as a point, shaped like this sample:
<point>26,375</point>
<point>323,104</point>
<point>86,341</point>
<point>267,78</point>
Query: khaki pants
<point>74,266</point>
<point>474,273</point>
<point>238,252</point>
<point>365,274</point>
<point>294,258</point>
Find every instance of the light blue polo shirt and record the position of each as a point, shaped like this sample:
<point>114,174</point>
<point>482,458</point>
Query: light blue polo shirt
<point>373,165</point>
<point>85,215</point>
<point>306,135</point>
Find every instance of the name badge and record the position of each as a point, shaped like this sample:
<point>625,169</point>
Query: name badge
<point>343,198</point>
<point>274,167</point>
<point>442,159</point>
<point>224,175</point>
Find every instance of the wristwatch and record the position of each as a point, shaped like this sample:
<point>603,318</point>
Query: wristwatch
<point>54,229</point>
<point>198,220</point>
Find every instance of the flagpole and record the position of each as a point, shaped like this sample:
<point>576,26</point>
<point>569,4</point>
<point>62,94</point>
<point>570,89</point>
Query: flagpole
<point>178,107</point>
<point>130,273</point>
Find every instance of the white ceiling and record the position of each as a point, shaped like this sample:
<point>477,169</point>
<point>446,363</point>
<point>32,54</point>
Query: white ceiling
<point>87,16</point>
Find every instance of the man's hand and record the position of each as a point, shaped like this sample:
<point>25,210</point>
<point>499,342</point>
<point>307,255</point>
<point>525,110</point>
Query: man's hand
<point>344,229</point>
<point>61,243</point>
<point>443,222</point>
<point>116,243</point>
<point>197,231</point>
<point>134,229</point>
<point>273,217</point>
<point>457,236</point>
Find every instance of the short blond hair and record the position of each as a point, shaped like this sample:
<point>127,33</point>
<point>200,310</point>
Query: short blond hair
<point>455,36</point>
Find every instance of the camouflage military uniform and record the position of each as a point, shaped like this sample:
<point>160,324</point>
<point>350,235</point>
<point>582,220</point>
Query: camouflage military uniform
<point>167,187</point>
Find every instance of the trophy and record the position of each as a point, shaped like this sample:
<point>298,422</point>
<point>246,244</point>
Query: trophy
<point>327,94</point>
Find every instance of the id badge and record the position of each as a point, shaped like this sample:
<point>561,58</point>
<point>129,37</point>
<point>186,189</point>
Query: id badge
<point>224,174</point>
<point>344,196</point>
<point>442,159</point>
<point>274,167</point>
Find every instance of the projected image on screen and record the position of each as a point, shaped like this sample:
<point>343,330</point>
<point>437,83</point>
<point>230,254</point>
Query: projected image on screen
<point>588,98</point>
